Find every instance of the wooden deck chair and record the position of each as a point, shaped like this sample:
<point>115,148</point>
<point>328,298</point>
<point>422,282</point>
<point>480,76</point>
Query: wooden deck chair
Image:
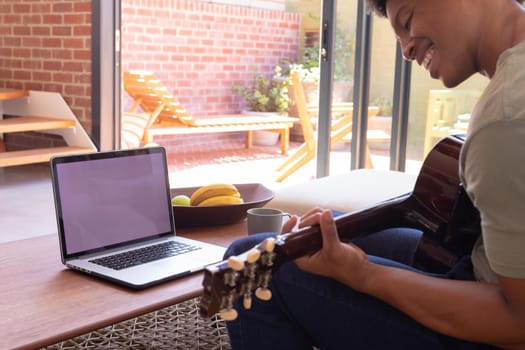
<point>132,129</point>
<point>169,117</point>
<point>340,131</point>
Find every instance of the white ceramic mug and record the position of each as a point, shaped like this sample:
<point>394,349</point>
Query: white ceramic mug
<point>265,220</point>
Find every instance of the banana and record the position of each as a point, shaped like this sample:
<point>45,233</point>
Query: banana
<point>221,200</point>
<point>213,190</point>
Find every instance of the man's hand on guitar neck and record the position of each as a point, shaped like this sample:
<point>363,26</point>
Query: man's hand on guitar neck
<point>336,257</point>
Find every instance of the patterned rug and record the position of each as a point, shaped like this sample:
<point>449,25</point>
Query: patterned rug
<point>176,327</point>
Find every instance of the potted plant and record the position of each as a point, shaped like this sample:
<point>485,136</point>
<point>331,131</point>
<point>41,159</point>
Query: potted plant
<point>264,97</point>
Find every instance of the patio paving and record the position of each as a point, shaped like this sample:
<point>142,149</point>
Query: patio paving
<point>235,164</point>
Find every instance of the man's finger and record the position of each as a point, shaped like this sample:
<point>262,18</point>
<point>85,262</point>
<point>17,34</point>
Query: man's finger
<point>290,224</point>
<point>328,230</point>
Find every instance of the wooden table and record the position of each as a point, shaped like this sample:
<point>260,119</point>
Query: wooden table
<point>42,302</point>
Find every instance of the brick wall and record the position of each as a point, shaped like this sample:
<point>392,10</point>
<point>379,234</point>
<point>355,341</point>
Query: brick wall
<point>200,49</point>
<point>263,4</point>
<point>47,46</point>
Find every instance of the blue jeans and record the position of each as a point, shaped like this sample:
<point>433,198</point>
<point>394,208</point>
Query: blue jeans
<point>308,310</point>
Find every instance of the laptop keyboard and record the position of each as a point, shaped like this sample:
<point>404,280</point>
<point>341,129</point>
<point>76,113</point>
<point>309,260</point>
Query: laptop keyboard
<point>144,255</point>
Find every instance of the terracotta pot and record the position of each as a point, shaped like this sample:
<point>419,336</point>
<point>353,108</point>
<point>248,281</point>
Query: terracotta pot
<point>263,137</point>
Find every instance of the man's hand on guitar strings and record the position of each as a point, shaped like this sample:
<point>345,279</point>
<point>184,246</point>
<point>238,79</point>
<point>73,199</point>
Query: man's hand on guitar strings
<point>295,222</point>
<point>335,259</point>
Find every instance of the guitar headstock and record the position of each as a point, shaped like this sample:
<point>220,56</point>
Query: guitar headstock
<point>239,276</point>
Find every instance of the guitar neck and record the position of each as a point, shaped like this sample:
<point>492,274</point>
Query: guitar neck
<point>306,241</point>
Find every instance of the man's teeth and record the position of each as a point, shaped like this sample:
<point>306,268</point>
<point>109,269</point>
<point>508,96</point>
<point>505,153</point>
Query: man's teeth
<point>427,59</point>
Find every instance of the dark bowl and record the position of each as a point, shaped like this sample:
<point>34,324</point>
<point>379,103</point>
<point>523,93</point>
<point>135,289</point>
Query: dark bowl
<point>254,195</point>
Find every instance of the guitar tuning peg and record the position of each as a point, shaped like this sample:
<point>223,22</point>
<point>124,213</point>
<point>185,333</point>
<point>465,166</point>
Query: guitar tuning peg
<point>247,301</point>
<point>253,255</point>
<point>235,264</point>
<point>228,314</point>
<point>263,294</point>
<point>268,245</point>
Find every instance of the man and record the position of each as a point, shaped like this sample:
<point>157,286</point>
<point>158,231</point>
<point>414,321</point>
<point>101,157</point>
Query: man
<point>365,295</point>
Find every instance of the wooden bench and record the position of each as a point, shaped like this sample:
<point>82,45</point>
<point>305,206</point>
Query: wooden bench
<point>169,117</point>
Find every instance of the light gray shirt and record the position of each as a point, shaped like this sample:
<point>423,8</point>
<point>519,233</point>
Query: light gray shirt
<point>492,168</point>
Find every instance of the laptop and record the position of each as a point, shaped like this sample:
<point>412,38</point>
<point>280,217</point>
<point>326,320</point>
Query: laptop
<point>115,219</point>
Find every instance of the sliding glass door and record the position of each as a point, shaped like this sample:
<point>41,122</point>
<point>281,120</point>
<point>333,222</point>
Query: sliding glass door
<point>352,111</point>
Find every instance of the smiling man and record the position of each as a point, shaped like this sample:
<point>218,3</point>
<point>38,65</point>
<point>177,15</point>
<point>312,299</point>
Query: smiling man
<point>366,295</point>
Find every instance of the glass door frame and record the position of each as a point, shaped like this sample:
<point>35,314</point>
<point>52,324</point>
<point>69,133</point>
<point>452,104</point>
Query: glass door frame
<point>105,74</point>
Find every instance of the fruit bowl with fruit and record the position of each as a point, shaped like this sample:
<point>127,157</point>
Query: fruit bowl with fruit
<point>216,204</point>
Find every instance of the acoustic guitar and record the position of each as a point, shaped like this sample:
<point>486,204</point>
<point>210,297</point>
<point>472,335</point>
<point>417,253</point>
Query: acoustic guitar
<point>438,206</point>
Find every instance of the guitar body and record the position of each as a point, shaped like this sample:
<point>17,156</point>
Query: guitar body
<point>441,208</point>
<point>438,206</point>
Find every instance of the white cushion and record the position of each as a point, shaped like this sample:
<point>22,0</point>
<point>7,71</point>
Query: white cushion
<point>354,190</point>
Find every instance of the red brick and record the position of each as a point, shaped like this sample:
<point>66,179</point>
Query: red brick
<point>82,30</point>
<point>21,75</point>
<point>61,31</point>
<point>72,66</point>
<point>53,87</point>
<point>52,19</point>
<point>22,8</point>
<point>62,7</point>
<point>31,64</point>
<point>73,19</point>
<point>51,42</point>
<point>41,76</point>
<point>40,7</point>
<point>82,7</point>
<point>73,43</point>
<point>39,30</point>
<point>82,55</point>
<point>12,19</point>
<point>52,65</point>
<point>40,53</point>
<point>65,78</point>
<point>22,53</point>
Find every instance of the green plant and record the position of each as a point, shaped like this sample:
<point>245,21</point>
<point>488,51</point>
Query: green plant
<point>266,95</point>
<point>385,105</point>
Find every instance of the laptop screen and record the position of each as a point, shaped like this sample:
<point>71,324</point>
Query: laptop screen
<point>107,198</point>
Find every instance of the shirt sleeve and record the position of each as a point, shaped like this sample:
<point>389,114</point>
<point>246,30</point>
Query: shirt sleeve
<point>494,174</point>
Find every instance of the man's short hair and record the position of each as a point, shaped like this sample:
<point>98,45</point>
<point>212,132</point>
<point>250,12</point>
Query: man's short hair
<point>379,6</point>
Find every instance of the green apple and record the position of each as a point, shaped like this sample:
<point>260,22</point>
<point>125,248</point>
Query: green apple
<point>181,200</point>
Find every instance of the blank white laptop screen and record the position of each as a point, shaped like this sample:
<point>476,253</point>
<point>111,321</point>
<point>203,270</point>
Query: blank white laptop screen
<point>110,203</point>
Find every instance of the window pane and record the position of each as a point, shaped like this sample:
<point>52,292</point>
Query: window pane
<point>436,112</point>
<point>343,87</point>
<point>342,93</point>
<point>382,74</point>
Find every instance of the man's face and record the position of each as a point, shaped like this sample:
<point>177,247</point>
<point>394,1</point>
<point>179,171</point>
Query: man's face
<point>438,35</point>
